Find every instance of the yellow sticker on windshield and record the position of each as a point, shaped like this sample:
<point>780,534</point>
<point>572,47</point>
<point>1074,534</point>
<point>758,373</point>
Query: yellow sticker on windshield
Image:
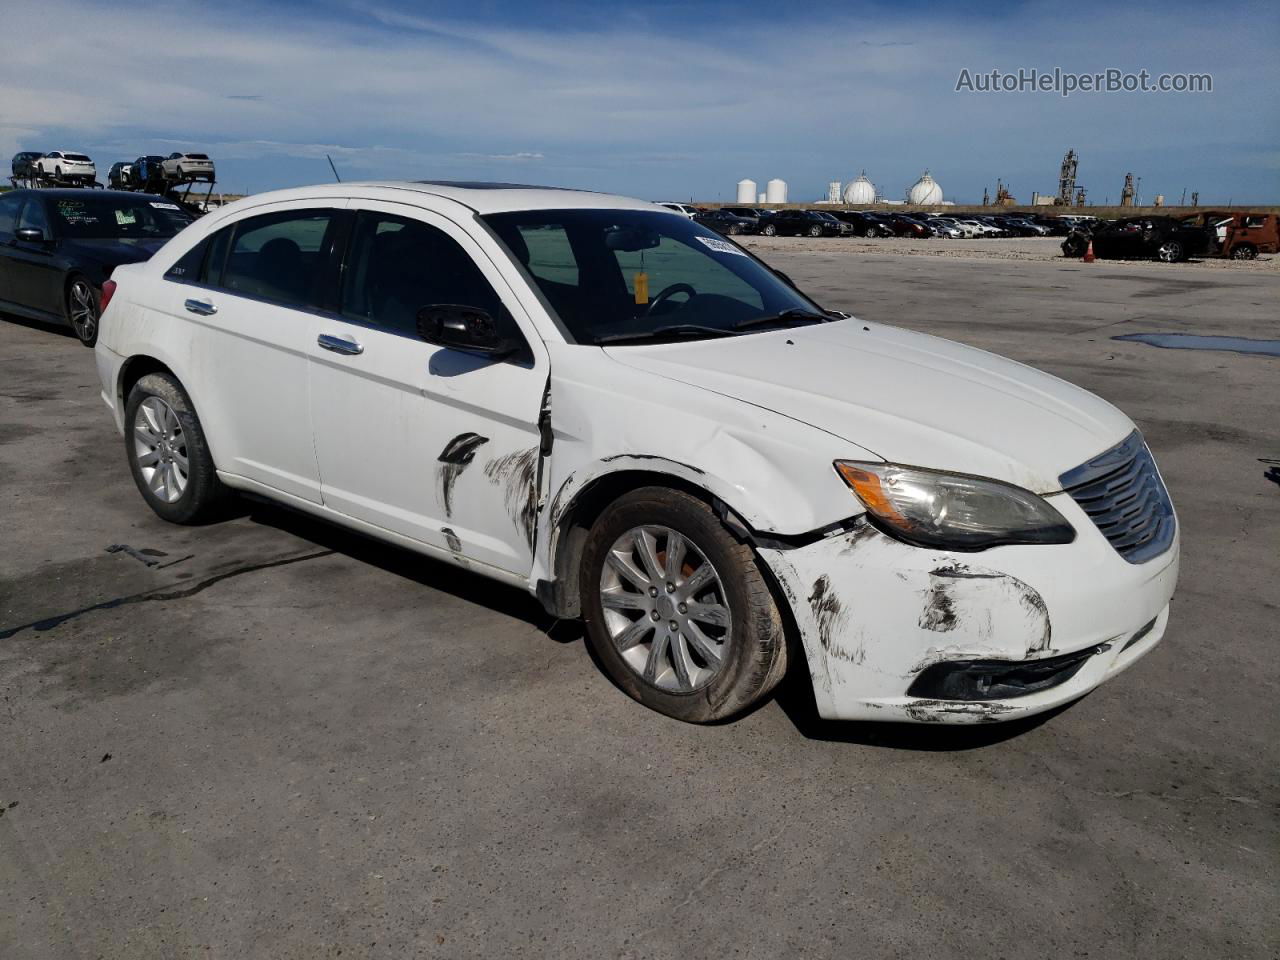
<point>642,288</point>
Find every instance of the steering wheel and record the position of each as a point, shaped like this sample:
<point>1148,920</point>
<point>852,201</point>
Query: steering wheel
<point>670,291</point>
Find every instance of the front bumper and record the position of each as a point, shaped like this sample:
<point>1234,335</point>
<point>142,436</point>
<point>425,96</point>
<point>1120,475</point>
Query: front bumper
<point>874,614</point>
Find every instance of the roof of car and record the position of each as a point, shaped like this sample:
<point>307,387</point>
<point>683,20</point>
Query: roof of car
<point>484,197</point>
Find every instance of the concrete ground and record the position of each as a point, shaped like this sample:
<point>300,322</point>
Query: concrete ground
<point>269,738</point>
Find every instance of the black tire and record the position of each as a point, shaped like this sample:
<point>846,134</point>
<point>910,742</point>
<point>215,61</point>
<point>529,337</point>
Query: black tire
<point>1171,251</point>
<point>815,231</point>
<point>756,658</point>
<point>769,230</point>
<point>204,492</point>
<point>870,233</point>
<point>1245,251</point>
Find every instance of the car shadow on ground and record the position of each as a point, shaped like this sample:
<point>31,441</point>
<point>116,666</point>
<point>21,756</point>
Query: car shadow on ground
<point>44,326</point>
<point>794,695</point>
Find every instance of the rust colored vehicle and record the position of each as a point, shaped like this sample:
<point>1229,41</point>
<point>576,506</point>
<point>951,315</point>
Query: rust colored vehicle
<point>1242,236</point>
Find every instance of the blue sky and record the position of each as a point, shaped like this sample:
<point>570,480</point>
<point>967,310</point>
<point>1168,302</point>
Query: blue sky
<point>659,100</point>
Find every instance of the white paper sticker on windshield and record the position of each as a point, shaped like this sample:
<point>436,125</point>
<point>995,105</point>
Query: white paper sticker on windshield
<point>721,246</point>
<point>126,217</point>
<point>166,206</point>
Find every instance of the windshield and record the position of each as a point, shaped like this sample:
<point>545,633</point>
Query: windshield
<point>115,217</point>
<point>614,274</point>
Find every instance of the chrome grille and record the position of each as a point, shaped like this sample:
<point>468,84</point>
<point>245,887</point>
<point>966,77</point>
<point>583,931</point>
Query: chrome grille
<point>1123,495</point>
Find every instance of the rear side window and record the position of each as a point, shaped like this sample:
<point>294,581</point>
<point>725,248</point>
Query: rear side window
<point>397,266</point>
<point>9,213</point>
<point>280,257</point>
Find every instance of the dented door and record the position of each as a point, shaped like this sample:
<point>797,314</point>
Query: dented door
<point>430,443</point>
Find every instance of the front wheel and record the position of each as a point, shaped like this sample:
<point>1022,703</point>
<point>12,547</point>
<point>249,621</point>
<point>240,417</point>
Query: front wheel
<point>815,231</point>
<point>677,610</point>
<point>769,230</point>
<point>168,455</point>
<point>82,310</point>
<point>1244,252</point>
<point>1170,251</point>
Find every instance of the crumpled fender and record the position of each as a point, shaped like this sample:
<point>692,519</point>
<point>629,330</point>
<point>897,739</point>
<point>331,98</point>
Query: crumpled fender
<point>773,472</point>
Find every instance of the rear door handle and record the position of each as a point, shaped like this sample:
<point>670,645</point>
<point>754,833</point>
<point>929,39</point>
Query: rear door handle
<point>202,307</point>
<point>348,348</point>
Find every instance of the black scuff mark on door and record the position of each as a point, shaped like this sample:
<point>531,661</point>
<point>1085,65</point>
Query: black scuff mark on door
<point>454,458</point>
<point>455,544</point>
<point>517,473</point>
<point>828,612</point>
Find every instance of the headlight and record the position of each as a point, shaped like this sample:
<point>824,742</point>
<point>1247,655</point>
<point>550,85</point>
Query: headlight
<point>951,511</point>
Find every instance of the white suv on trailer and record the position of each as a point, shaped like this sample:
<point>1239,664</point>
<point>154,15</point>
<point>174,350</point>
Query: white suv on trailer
<point>67,166</point>
<point>645,426</point>
<point>188,166</point>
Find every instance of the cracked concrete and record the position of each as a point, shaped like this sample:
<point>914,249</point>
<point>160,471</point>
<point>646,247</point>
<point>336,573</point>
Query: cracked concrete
<point>368,752</point>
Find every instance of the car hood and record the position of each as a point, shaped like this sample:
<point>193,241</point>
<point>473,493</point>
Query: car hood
<point>113,253</point>
<point>907,397</point>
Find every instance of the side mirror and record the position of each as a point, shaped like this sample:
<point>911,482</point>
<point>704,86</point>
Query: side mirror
<point>30,234</point>
<point>469,329</point>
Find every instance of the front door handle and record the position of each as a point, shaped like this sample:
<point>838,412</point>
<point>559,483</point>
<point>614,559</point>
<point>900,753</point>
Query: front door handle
<point>342,345</point>
<point>202,307</point>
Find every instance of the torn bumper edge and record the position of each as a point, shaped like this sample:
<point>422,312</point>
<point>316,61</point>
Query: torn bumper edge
<point>873,613</point>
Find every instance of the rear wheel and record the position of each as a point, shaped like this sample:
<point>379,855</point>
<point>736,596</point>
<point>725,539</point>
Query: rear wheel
<point>167,452</point>
<point>1245,251</point>
<point>677,610</point>
<point>769,230</point>
<point>869,233</point>
<point>82,310</point>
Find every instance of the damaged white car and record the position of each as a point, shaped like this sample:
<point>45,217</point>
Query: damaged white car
<point>633,418</point>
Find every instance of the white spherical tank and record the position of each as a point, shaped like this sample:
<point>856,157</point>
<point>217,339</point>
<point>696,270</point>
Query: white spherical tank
<point>775,191</point>
<point>860,191</point>
<point>746,191</point>
<point>925,191</point>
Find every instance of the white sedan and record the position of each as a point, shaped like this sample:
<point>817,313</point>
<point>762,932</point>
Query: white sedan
<point>67,166</point>
<point>646,427</point>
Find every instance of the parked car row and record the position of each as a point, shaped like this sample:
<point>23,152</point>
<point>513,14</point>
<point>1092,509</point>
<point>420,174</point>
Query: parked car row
<point>1239,236</point>
<point>737,220</point>
<point>145,173</point>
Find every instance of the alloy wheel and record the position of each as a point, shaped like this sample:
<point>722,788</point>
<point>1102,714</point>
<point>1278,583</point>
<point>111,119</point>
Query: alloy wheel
<point>665,608</point>
<point>161,449</point>
<point>1170,251</point>
<point>82,307</point>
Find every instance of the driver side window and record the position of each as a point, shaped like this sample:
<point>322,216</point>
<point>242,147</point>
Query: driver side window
<point>395,266</point>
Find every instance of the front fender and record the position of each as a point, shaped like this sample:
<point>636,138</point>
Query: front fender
<point>773,472</point>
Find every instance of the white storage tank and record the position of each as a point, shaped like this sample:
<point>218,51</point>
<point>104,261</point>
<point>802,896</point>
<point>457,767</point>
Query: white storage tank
<point>833,191</point>
<point>746,191</point>
<point>860,191</point>
<point>925,192</point>
<point>775,191</point>
<point>763,198</point>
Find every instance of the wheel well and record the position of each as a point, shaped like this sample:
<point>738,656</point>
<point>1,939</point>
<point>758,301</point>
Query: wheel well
<point>569,535</point>
<point>134,369</point>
